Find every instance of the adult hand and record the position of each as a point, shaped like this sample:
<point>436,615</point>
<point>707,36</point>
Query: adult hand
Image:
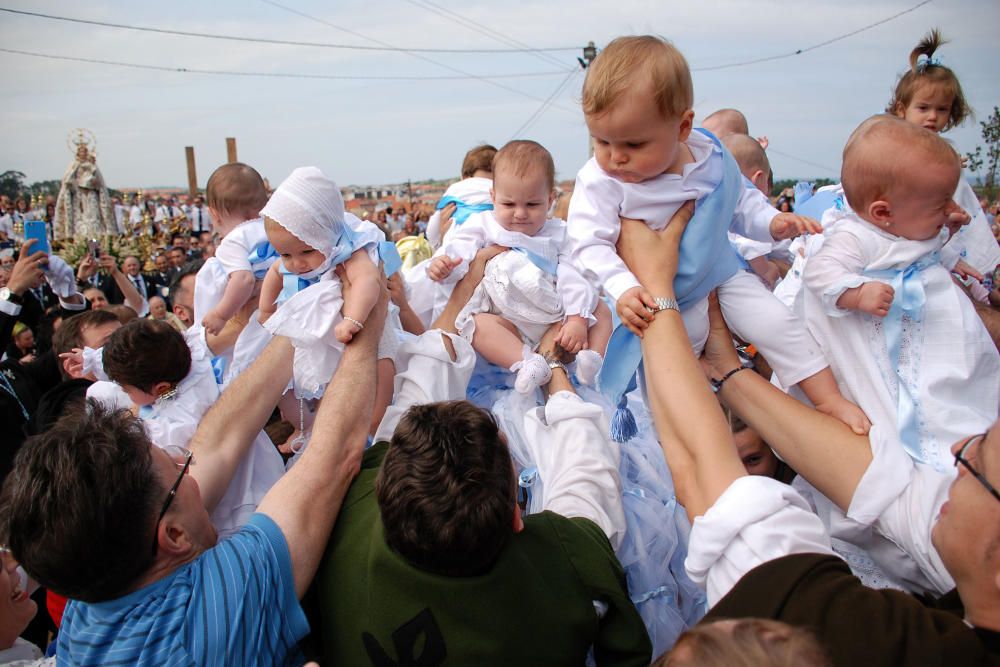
<point>27,270</point>
<point>719,356</point>
<point>652,256</point>
<point>87,267</point>
<point>109,263</point>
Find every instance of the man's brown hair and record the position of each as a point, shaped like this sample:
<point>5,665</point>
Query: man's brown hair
<point>236,189</point>
<point>77,510</point>
<point>446,489</point>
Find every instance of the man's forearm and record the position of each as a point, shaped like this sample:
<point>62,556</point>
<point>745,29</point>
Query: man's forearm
<point>228,429</point>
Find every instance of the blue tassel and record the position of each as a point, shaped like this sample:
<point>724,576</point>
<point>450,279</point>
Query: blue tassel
<point>623,426</point>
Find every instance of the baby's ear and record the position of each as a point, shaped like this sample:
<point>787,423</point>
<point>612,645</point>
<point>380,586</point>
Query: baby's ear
<point>880,211</point>
<point>686,125</point>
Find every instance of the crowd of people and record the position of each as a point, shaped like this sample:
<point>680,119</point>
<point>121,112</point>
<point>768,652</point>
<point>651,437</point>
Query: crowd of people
<point>664,420</point>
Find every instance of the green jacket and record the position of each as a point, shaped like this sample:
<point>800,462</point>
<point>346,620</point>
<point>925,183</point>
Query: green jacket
<point>534,607</point>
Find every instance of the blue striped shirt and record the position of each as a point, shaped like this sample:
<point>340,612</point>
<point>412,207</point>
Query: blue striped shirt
<point>234,605</point>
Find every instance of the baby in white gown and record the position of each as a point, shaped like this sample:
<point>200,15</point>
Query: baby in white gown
<point>525,290</point>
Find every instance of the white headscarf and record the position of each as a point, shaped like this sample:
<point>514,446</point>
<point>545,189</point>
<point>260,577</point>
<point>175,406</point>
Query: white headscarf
<point>309,206</point>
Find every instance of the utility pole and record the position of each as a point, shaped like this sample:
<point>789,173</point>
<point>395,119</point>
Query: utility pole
<point>589,53</point>
<point>192,176</point>
<point>231,150</point>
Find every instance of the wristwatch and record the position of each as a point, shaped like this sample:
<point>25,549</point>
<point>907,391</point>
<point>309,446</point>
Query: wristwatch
<point>555,363</point>
<point>663,303</point>
<point>7,295</point>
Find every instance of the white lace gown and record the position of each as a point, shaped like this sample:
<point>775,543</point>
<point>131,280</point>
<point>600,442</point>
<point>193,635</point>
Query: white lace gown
<point>308,318</point>
<point>947,359</point>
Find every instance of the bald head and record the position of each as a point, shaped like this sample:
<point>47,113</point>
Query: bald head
<point>883,152</point>
<point>751,158</point>
<point>725,122</point>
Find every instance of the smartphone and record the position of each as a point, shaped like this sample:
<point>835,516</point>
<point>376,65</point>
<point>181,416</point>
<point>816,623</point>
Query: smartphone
<point>95,249</point>
<point>36,229</point>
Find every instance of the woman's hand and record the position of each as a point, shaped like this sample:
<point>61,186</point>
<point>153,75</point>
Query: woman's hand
<point>653,256</point>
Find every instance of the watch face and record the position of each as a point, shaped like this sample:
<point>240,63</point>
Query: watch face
<point>5,293</point>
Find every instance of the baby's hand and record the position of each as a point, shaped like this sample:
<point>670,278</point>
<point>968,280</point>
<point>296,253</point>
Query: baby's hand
<point>965,271</point>
<point>73,362</point>
<point>441,267</point>
<point>213,322</point>
<point>789,225</point>
<point>345,330</point>
<point>573,334</point>
<point>875,298</point>
<point>634,309</point>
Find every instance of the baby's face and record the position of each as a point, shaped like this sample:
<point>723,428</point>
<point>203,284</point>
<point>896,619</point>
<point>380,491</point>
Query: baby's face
<point>296,255</point>
<point>521,204</point>
<point>922,203</point>
<point>632,140</point>
<point>929,108</point>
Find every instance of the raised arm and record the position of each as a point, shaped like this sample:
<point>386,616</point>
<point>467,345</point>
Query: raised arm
<point>228,429</point>
<point>305,502</point>
<point>133,299</point>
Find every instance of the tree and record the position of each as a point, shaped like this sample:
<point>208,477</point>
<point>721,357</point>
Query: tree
<point>11,183</point>
<point>990,158</point>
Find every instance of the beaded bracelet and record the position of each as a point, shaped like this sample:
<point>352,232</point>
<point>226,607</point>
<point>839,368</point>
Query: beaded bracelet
<point>353,321</point>
<point>717,384</point>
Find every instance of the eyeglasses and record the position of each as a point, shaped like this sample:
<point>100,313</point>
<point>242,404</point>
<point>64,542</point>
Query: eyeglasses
<point>176,453</point>
<point>960,458</point>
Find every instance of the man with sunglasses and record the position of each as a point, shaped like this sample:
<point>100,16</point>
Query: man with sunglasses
<point>97,513</point>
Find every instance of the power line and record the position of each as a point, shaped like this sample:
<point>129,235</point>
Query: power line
<point>411,53</point>
<point>491,33</point>
<point>282,42</point>
<point>771,149</point>
<point>275,75</point>
<point>799,52</point>
<point>533,118</point>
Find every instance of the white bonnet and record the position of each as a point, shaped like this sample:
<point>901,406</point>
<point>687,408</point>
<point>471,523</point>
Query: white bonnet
<point>310,206</point>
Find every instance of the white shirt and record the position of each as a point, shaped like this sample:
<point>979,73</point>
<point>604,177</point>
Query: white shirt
<point>472,191</point>
<point>599,201</point>
<point>234,250</point>
<point>201,220</point>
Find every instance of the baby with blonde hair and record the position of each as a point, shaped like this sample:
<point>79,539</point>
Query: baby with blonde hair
<point>647,162</point>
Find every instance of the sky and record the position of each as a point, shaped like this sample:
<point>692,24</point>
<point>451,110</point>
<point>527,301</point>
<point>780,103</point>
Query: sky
<point>372,130</point>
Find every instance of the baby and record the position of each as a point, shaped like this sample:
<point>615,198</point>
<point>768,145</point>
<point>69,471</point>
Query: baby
<point>302,298</point>
<point>903,340</point>
<point>534,285</point>
<point>647,162</point>
<point>168,377</point>
<point>236,195</point>
<point>469,195</point>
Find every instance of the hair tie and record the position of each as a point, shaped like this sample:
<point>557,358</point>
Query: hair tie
<point>926,61</point>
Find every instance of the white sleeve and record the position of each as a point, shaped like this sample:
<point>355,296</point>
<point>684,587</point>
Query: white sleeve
<point>233,254</point>
<point>593,226</point>
<point>433,231</point>
<point>463,243</point>
<point>569,443</point>
<point>951,253</point>
<point>756,520</point>
<point>425,373</point>
<point>753,216</point>
<point>93,363</point>
<point>835,269</point>
<point>578,296</point>
<point>901,500</point>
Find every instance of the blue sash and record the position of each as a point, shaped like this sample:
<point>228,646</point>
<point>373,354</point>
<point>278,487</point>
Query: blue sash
<point>261,258</point>
<point>909,300</point>
<point>462,210</point>
<point>546,265</point>
<point>707,260</point>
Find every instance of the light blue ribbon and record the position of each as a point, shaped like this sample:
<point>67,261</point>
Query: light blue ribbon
<point>908,299</point>
<point>343,248</point>
<point>707,260</point>
<point>803,193</point>
<point>261,258</point>
<point>547,265</point>
<point>818,204</point>
<point>462,210</point>
<point>389,254</point>
<point>219,369</point>
<point>292,284</point>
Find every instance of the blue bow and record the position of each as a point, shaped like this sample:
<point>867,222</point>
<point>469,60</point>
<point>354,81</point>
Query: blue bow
<point>462,210</point>
<point>707,260</point>
<point>908,300</point>
<point>261,258</point>
<point>389,254</point>
<point>292,284</point>
<point>546,265</point>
